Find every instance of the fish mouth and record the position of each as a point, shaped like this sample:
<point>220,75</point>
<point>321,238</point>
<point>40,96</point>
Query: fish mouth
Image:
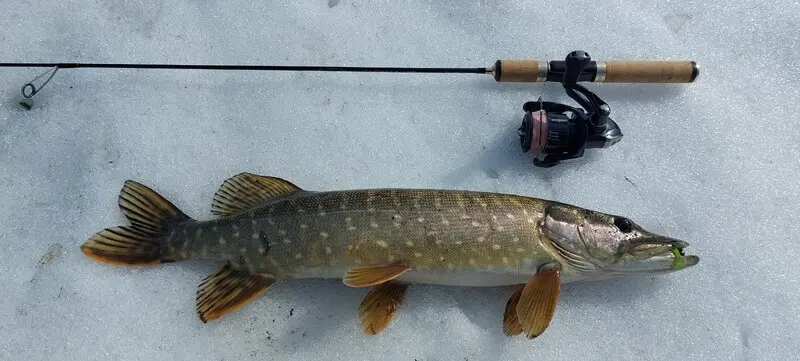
<point>660,255</point>
<point>680,259</point>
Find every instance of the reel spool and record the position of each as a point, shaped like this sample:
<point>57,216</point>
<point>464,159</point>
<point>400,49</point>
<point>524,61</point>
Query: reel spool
<point>555,132</point>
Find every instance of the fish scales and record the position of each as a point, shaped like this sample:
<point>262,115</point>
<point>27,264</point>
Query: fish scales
<point>455,237</point>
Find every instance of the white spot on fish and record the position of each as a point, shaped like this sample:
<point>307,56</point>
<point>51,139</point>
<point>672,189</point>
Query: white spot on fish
<point>371,209</point>
<point>323,235</point>
<point>510,216</point>
<point>242,250</point>
<point>445,222</point>
<point>282,232</point>
<point>321,213</point>
<point>222,241</point>
<point>417,254</point>
<point>351,228</point>
<point>420,219</point>
<point>437,202</point>
<point>481,239</point>
<point>501,229</point>
<point>521,250</point>
<point>234,226</point>
<point>343,206</point>
<point>287,241</point>
<point>255,235</point>
<point>531,221</point>
<point>437,241</point>
<point>496,247</point>
<point>215,229</point>
<point>373,224</point>
<point>464,216</point>
<point>515,240</point>
<point>441,258</point>
<point>235,234</point>
<point>298,256</point>
<point>382,244</point>
<point>410,244</point>
<point>458,243</point>
<point>303,226</point>
<point>494,218</point>
<point>476,224</point>
<point>417,205</point>
<point>472,262</point>
<point>262,250</point>
<point>301,211</point>
<point>328,250</point>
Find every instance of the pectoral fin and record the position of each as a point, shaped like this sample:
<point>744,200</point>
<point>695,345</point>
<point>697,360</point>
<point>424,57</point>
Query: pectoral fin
<point>537,302</point>
<point>373,275</point>
<point>380,305</point>
<point>511,324</point>
<point>227,290</point>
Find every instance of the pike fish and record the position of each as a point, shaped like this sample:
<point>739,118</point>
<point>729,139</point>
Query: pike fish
<point>267,229</point>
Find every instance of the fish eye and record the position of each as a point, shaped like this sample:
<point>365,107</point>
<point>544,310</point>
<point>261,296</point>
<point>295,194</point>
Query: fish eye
<point>623,224</point>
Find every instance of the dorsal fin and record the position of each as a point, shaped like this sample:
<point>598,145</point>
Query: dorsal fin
<point>245,190</point>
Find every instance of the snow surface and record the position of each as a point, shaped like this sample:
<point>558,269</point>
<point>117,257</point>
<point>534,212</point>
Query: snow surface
<point>714,162</point>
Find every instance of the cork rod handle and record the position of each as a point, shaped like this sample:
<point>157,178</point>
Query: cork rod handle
<point>612,71</point>
<point>632,71</point>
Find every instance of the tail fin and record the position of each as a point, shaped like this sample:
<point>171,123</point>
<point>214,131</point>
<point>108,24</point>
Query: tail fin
<point>151,218</point>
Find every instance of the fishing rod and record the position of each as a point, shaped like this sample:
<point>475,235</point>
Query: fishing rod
<point>552,132</point>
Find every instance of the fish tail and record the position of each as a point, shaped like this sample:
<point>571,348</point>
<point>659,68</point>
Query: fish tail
<point>152,218</point>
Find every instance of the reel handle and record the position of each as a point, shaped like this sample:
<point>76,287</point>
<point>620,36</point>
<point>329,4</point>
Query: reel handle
<point>610,71</point>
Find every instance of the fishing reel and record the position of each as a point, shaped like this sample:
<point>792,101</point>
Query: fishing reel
<point>555,132</point>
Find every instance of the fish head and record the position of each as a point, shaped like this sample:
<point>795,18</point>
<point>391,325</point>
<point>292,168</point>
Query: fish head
<point>598,244</point>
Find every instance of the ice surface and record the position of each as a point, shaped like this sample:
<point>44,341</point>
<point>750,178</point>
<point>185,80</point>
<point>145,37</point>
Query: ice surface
<point>714,162</point>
